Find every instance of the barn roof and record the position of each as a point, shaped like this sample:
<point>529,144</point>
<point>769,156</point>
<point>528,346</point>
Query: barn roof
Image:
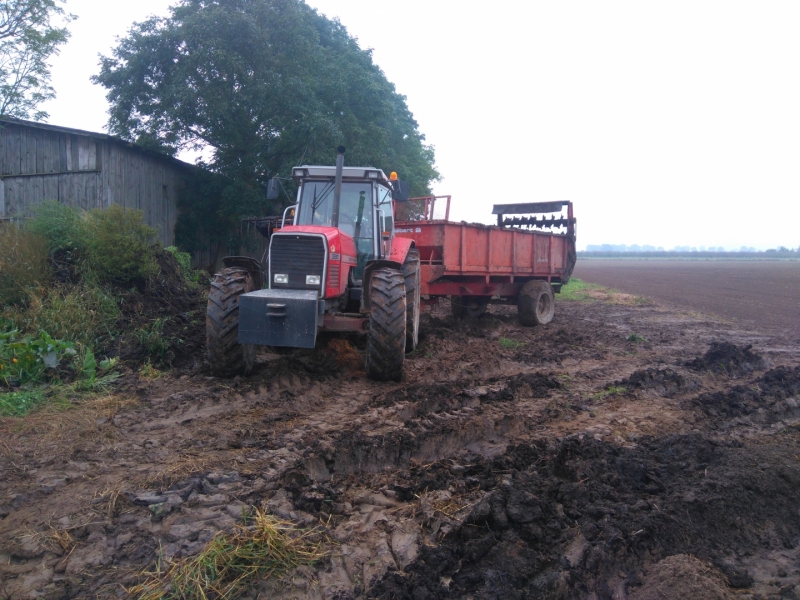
<point>104,137</point>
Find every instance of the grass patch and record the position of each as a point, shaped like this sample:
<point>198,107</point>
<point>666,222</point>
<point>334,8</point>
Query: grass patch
<point>16,404</point>
<point>510,344</point>
<point>266,548</point>
<point>581,291</point>
<point>613,390</point>
<point>636,338</point>
<point>577,290</point>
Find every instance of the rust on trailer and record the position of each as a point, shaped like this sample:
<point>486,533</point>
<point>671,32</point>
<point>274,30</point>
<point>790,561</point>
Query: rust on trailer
<point>489,260</point>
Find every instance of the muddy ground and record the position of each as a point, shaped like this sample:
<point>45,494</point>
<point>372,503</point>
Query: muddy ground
<point>626,450</point>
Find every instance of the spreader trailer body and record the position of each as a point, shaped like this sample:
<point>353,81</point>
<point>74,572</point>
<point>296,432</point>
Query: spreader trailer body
<point>343,259</point>
<point>476,265</point>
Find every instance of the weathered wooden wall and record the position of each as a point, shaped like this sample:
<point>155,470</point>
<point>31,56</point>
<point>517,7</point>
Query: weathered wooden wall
<point>85,171</point>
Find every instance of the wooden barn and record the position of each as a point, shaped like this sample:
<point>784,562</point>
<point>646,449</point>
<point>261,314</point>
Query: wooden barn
<point>86,170</point>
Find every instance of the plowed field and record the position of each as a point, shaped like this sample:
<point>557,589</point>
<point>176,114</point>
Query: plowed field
<point>626,450</point>
<point>763,294</point>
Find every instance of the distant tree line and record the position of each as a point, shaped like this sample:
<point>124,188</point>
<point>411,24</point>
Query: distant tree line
<point>636,248</point>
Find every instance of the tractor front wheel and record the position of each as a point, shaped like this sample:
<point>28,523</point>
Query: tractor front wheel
<point>411,274</point>
<point>536,304</point>
<point>386,341</point>
<point>227,356</point>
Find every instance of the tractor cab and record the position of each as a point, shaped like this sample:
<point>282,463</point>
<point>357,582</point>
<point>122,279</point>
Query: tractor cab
<point>365,210</point>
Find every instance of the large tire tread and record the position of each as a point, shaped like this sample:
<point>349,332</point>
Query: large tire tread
<point>386,341</point>
<point>227,356</point>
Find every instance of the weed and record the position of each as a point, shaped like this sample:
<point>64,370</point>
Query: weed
<point>25,359</point>
<point>148,371</point>
<point>635,337</point>
<point>121,246</point>
<point>91,375</point>
<point>510,344</point>
<point>24,264</point>
<point>151,338</point>
<point>84,313</point>
<point>267,548</point>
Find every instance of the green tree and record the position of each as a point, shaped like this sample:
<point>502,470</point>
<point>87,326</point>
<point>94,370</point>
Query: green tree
<point>265,85</point>
<point>28,38</point>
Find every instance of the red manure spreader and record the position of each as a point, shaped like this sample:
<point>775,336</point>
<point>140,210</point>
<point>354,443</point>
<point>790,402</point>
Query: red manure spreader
<point>355,254</point>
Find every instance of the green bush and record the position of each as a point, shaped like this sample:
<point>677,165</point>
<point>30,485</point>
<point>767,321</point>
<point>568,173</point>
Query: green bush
<point>121,246</point>
<point>83,313</point>
<point>24,264</point>
<point>62,226</point>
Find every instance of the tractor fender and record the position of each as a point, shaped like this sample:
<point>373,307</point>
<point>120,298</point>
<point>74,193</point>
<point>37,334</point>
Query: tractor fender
<point>400,248</point>
<point>252,265</point>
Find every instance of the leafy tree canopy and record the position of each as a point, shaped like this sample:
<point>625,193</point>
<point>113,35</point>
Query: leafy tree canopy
<point>265,85</point>
<point>28,38</point>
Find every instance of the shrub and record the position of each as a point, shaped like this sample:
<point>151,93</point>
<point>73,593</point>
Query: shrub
<point>84,313</point>
<point>24,264</point>
<point>62,226</point>
<point>121,245</point>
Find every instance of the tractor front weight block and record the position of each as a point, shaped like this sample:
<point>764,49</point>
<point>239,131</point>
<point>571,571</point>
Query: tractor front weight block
<point>280,318</point>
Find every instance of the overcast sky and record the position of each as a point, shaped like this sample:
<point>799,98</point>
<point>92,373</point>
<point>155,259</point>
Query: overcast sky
<point>666,123</point>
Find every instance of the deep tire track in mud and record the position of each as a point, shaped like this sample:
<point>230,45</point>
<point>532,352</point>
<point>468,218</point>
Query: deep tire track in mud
<point>562,461</point>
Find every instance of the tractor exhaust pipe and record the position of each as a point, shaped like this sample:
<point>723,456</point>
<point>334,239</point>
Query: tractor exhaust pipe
<point>337,187</point>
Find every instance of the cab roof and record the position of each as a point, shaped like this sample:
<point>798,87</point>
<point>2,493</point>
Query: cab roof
<point>370,173</point>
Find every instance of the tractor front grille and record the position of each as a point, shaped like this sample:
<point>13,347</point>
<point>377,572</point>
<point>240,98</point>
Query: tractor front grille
<point>297,256</point>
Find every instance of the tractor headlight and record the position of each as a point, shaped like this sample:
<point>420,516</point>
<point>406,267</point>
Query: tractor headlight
<point>312,279</point>
<point>280,278</point>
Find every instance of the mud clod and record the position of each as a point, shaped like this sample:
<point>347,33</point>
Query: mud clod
<point>665,382</point>
<point>728,359</point>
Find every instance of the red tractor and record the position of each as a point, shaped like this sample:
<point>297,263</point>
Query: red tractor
<point>339,244</point>
<point>344,264</point>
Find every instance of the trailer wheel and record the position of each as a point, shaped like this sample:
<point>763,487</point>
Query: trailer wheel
<point>386,341</point>
<point>536,303</point>
<point>468,306</point>
<point>227,356</point>
<point>411,274</point>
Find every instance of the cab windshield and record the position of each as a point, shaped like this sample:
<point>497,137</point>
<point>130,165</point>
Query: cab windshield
<point>356,214</point>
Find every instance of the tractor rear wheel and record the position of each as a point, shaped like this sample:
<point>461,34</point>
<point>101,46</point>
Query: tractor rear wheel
<point>468,306</point>
<point>227,356</point>
<point>386,341</point>
<point>536,303</point>
<point>411,274</point>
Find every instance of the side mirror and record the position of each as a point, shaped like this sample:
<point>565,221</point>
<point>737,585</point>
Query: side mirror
<point>273,188</point>
<point>400,191</point>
